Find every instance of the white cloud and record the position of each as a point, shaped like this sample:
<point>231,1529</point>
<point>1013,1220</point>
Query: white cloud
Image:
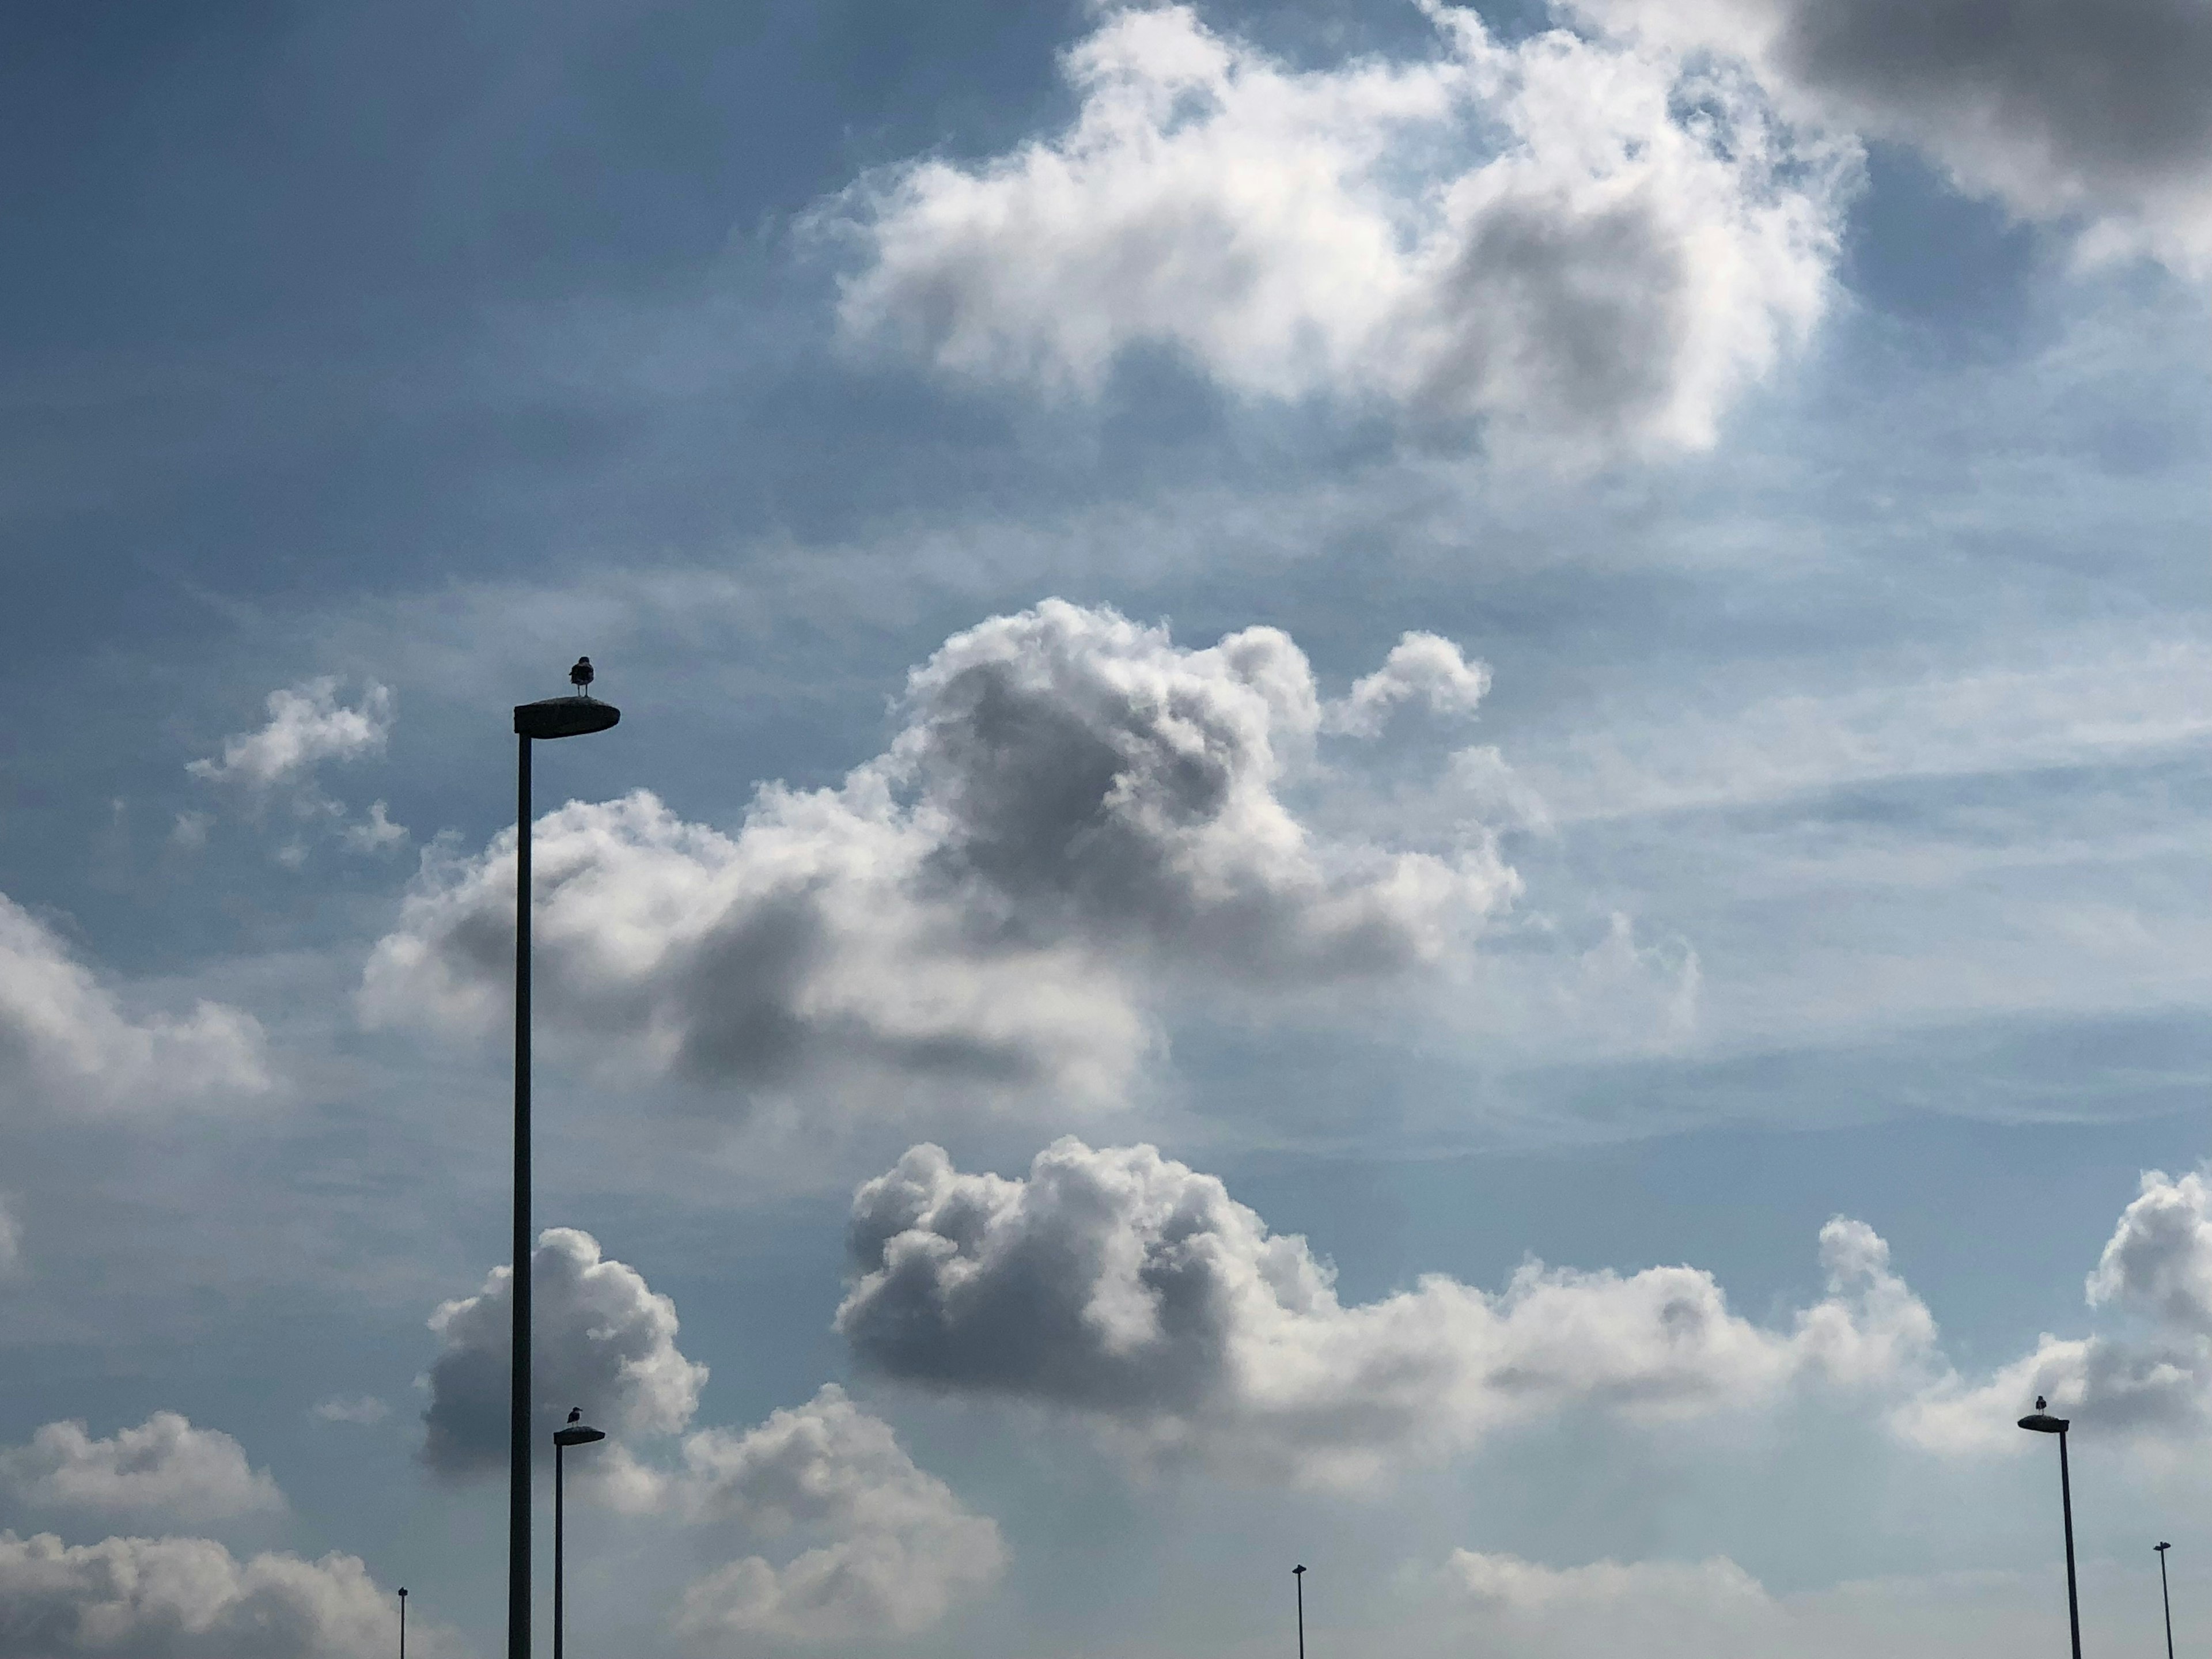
<point>1582,245</point>
<point>165,1468</point>
<point>11,1241</point>
<point>881,1547</point>
<point>190,1598</point>
<point>72,1034</point>
<point>376,833</point>
<point>1422,666</point>
<point>2152,1380</point>
<point>604,1341</point>
<point>1077,820</point>
<point>364,1410</point>
<point>1518,1609</point>
<point>1131,1289</point>
<point>307,725</point>
<point>2089,116</point>
<point>825,1527</point>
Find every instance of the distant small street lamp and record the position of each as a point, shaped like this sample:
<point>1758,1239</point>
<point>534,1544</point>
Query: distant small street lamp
<point>554,717</point>
<point>2165,1600</point>
<point>575,1434</point>
<point>403,1620</point>
<point>2037,1423</point>
<point>1298,1578</point>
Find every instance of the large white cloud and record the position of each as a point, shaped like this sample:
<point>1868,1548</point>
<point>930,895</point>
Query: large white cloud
<point>1130,1288</point>
<point>190,1598</point>
<point>69,1034</point>
<point>603,1340</point>
<point>1076,819</point>
<point>871,1544</point>
<point>2152,1379</point>
<point>2095,115</point>
<point>823,1528</point>
<point>1582,245</point>
<point>163,1468</point>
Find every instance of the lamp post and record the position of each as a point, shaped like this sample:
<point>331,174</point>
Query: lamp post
<point>575,1434</point>
<point>403,1621</point>
<point>1298,1578</point>
<point>554,717</point>
<point>2037,1423</point>
<point>2165,1600</point>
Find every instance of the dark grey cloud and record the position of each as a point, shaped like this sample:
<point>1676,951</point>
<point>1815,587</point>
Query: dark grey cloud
<point>2095,114</point>
<point>603,1340</point>
<point>1131,1289</point>
<point>1075,816</point>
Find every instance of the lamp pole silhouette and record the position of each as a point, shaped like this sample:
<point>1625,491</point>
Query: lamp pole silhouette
<point>2037,1423</point>
<point>1298,1578</point>
<point>2165,1600</point>
<point>555,717</point>
<point>403,1621</point>
<point>574,1434</point>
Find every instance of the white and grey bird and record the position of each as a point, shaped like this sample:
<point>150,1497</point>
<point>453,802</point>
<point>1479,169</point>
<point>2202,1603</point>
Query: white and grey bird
<point>581,676</point>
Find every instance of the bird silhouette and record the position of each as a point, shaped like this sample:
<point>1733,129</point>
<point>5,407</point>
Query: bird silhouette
<point>581,676</point>
<point>2038,1402</point>
<point>576,1413</point>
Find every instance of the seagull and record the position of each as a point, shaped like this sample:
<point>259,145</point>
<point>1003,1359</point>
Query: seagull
<point>2039,1403</point>
<point>580,674</point>
<point>576,1413</point>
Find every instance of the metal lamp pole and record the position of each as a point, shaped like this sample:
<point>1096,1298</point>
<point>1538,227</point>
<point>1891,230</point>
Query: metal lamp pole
<point>2037,1423</point>
<point>575,1434</point>
<point>554,717</point>
<point>403,1622</point>
<point>2165,1600</point>
<point>1298,1578</point>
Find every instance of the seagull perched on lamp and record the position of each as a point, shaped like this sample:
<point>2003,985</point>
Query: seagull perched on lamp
<point>580,676</point>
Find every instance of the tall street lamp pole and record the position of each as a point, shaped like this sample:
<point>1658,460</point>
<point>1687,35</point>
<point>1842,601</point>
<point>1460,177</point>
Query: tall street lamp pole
<point>1298,1578</point>
<point>2037,1423</point>
<point>2165,1600</point>
<point>575,1434</point>
<point>554,717</point>
<point>403,1620</point>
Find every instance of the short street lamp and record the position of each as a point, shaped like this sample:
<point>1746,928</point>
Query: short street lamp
<point>575,1434</point>
<point>2037,1423</point>
<point>1298,1578</point>
<point>2165,1600</point>
<point>555,717</point>
<point>403,1620</point>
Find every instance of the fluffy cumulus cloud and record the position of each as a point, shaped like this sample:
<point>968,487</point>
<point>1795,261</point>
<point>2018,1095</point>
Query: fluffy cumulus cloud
<point>1130,1288</point>
<point>1422,668</point>
<point>1076,818</point>
<point>163,1468</point>
<point>2095,115</point>
<point>869,1543</point>
<point>1582,245</point>
<point>2149,1378</point>
<point>65,1033</point>
<point>604,1341</point>
<point>823,1527</point>
<point>190,1598</point>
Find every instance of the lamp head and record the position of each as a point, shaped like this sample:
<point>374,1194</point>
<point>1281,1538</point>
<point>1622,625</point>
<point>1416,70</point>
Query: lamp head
<point>2162,1548</point>
<point>1298,1573</point>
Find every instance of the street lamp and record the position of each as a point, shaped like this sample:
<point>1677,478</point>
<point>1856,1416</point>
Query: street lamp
<point>1298,1578</point>
<point>2165,1600</point>
<point>403,1621</point>
<point>575,1434</point>
<point>2035,1422</point>
<point>555,717</point>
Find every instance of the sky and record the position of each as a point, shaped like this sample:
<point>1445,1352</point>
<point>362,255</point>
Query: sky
<point>1415,789</point>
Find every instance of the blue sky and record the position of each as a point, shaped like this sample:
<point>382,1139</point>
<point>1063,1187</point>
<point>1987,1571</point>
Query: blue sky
<point>1416,789</point>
